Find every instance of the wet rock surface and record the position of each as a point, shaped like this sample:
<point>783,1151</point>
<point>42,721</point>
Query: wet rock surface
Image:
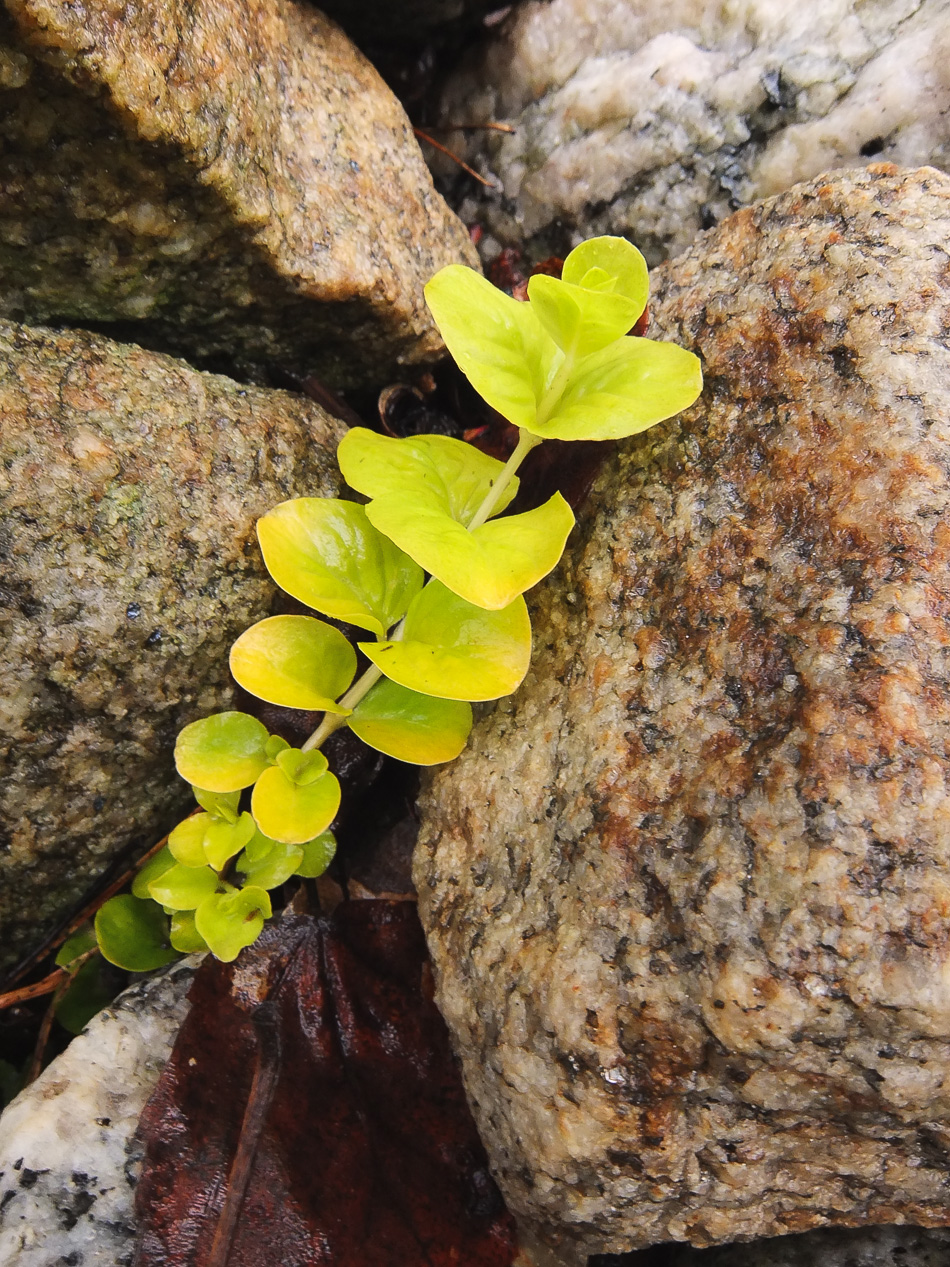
<point>657,120</point>
<point>687,892</point>
<point>218,181</point>
<point>68,1157</point>
<point>129,489</point>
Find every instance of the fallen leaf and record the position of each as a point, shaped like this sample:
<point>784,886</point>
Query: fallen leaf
<point>312,1112</point>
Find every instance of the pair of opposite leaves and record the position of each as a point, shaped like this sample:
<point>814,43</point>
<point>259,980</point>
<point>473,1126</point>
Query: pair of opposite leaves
<point>466,636</point>
<point>335,557</point>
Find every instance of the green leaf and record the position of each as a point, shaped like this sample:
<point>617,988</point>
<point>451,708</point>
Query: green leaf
<point>317,855</point>
<point>73,947</point>
<point>184,935</point>
<point>186,844</point>
<point>490,566</point>
<point>610,265</point>
<point>416,728</point>
<point>498,342</point>
<point>294,661</point>
<point>230,921</point>
<point>624,389</point>
<point>133,934</point>
<point>267,863</point>
<point>88,993</point>
<point>163,861</point>
<point>454,650</point>
<point>435,473</point>
<point>302,767</point>
<point>220,804</point>
<point>182,888</point>
<point>274,747</point>
<point>204,839</point>
<point>292,814</point>
<point>326,553</point>
<point>580,321</point>
<point>223,840</point>
<point>223,753</point>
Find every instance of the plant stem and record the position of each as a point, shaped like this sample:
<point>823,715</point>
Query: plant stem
<point>333,721</point>
<point>526,442</point>
<point>553,394</point>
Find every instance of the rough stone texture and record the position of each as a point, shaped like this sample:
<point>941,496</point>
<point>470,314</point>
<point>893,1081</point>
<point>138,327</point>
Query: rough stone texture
<point>688,891</point>
<point>68,1159</point>
<point>129,489</point>
<point>656,119</point>
<point>215,179</point>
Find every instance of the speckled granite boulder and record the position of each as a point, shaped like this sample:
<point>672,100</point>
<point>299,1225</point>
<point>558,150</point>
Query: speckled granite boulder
<point>68,1159</point>
<point>657,118</point>
<point>688,891</point>
<point>215,179</point>
<point>129,489</point>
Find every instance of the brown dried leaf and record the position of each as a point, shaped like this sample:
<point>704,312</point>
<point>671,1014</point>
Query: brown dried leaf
<point>357,1143</point>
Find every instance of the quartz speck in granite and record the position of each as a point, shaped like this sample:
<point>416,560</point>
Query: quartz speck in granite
<point>130,486</point>
<point>656,119</point>
<point>687,892</point>
<point>215,180</point>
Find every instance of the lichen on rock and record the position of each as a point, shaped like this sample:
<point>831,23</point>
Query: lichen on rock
<point>688,891</point>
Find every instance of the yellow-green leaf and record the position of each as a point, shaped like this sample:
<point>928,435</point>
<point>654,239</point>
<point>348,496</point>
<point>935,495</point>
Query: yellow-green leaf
<point>267,863</point>
<point>489,566</point>
<point>230,921</point>
<point>163,861</point>
<point>287,812</point>
<point>182,888</point>
<point>454,650</point>
<point>302,767</point>
<point>222,753</point>
<point>294,661</point>
<point>325,553</point>
<point>498,342</point>
<point>221,804</point>
<point>624,389</point>
<point>580,321</point>
<point>433,473</point>
<point>317,855</point>
<point>186,844</point>
<point>224,840</point>
<point>184,935</point>
<point>610,265</point>
<point>416,728</point>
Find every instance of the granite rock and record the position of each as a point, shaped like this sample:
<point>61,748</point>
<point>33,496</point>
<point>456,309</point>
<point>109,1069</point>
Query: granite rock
<point>217,180</point>
<point>129,489</point>
<point>687,893</point>
<point>655,120</point>
<point>68,1157</point>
